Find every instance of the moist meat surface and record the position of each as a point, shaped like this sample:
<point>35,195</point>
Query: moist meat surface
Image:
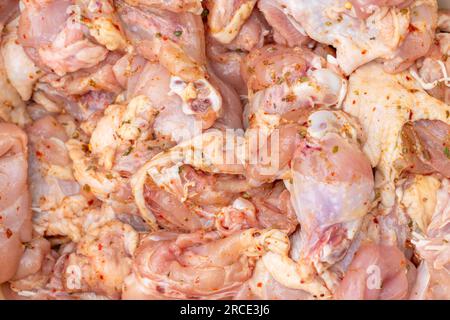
<point>224,149</point>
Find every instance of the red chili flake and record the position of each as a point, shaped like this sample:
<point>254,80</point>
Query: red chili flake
<point>354,102</point>
<point>259,284</point>
<point>408,78</point>
<point>364,51</point>
<point>101,277</point>
<point>100,247</point>
<point>375,220</point>
<point>39,154</point>
<point>91,202</point>
<point>412,28</point>
<point>8,233</point>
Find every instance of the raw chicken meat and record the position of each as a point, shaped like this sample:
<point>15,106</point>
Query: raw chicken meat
<point>328,194</point>
<point>226,64</point>
<point>12,108</point>
<point>198,266</point>
<point>432,70</point>
<point>177,41</point>
<point>433,277</point>
<point>36,266</point>
<point>193,6</point>
<point>363,31</point>
<point>384,116</point>
<point>226,18</point>
<point>51,174</point>
<point>21,71</point>
<point>166,172</point>
<point>376,272</point>
<point>263,286</point>
<point>15,211</point>
<point>330,199</point>
<point>286,30</point>
<point>285,82</point>
<point>101,260</point>
<point>240,149</point>
<point>8,9</point>
<point>61,44</point>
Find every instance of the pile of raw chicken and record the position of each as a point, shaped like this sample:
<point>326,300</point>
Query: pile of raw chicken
<point>115,116</point>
